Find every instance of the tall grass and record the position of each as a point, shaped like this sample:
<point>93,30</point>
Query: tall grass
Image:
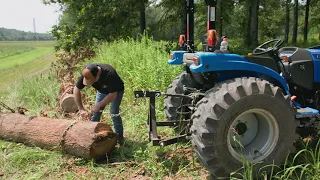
<point>301,165</point>
<point>34,93</point>
<point>142,64</point>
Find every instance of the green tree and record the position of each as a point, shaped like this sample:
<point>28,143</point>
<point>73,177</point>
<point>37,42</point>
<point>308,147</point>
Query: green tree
<point>314,23</point>
<point>95,20</point>
<point>271,19</point>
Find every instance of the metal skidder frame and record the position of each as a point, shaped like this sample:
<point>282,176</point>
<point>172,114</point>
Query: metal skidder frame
<point>152,119</point>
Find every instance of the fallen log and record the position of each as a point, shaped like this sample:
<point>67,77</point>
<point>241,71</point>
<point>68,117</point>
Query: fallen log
<point>84,139</point>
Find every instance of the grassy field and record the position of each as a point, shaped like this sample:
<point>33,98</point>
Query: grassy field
<point>22,59</point>
<point>143,65</point>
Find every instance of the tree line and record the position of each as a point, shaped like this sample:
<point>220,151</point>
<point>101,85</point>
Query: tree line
<point>16,35</point>
<point>83,23</point>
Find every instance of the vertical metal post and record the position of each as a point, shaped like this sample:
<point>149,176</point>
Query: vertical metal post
<point>152,120</point>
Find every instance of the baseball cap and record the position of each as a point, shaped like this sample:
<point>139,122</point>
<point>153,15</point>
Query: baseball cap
<point>89,74</point>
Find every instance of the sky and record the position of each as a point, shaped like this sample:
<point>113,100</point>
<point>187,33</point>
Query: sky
<point>19,14</point>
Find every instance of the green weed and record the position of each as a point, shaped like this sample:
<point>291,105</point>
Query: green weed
<point>39,93</point>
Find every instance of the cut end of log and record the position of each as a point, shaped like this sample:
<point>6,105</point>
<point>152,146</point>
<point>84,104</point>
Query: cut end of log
<point>68,104</point>
<point>103,146</point>
<point>101,127</point>
<point>105,140</point>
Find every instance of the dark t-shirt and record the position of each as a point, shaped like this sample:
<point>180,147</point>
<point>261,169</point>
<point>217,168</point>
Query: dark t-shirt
<point>108,82</point>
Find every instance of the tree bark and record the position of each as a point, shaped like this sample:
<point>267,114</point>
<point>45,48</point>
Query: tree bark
<point>142,16</point>
<point>295,22</point>
<point>253,21</point>
<point>287,25</point>
<point>306,22</point>
<point>84,139</point>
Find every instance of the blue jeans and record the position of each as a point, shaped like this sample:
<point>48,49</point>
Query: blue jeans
<point>114,112</point>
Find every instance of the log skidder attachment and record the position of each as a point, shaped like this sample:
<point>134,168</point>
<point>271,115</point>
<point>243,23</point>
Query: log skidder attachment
<point>152,117</point>
<point>247,111</point>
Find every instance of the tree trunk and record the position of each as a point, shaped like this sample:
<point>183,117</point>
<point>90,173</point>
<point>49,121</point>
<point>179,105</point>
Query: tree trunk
<point>84,139</point>
<point>306,22</point>
<point>252,33</point>
<point>142,17</point>
<point>254,23</point>
<point>295,22</point>
<point>287,24</point>
<point>248,38</point>
<point>183,16</point>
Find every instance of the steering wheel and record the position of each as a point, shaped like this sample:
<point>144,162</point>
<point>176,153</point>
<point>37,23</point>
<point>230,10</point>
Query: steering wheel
<point>274,48</point>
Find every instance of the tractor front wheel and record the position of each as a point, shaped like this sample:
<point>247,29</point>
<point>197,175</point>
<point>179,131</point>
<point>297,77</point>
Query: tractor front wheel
<point>243,119</point>
<point>174,105</point>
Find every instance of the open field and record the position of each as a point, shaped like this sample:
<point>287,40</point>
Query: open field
<point>22,59</point>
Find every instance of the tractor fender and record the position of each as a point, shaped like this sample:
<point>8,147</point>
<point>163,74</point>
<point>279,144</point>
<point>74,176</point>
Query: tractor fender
<point>232,65</point>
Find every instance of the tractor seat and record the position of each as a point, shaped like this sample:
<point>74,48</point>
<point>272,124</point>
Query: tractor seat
<point>263,61</point>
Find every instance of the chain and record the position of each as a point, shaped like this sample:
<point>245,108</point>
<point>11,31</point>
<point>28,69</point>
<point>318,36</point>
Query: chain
<point>115,115</point>
<point>60,145</point>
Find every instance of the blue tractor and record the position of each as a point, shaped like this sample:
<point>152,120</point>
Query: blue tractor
<point>237,108</point>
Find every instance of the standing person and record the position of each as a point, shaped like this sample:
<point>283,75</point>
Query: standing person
<point>110,89</point>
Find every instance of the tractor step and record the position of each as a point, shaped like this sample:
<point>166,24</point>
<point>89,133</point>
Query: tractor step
<point>306,112</point>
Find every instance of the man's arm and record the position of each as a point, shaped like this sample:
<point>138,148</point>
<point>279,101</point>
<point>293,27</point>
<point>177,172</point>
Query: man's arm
<point>77,98</point>
<point>109,98</point>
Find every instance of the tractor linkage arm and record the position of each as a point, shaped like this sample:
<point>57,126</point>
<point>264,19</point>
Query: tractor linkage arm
<point>152,120</point>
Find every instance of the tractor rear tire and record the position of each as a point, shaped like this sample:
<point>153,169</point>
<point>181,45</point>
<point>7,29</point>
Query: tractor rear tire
<point>254,112</point>
<point>171,104</point>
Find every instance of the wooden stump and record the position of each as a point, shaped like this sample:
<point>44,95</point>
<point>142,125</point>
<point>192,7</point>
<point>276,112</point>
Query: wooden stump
<point>68,103</point>
<point>66,99</point>
<point>84,139</point>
